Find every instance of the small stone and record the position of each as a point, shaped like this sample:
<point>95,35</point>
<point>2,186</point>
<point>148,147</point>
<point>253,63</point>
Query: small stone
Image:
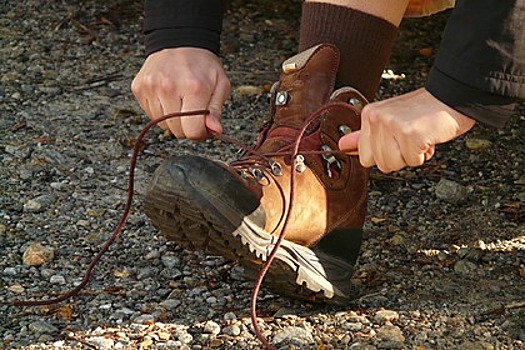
<point>230,316</point>
<point>84,223</point>
<point>352,326</point>
<point>450,191</point>
<point>16,288</point>
<point>10,271</point>
<point>170,260</point>
<point>145,319</point>
<point>146,343</point>
<point>390,333</point>
<point>475,144</point>
<point>164,335</point>
<point>59,344</point>
<point>185,337</point>
<point>232,330</point>
<point>95,213</point>
<point>237,273</point>
<point>171,304</point>
<point>154,254</point>
<point>32,206</point>
<point>36,255</point>
<point>212,327</point>
<point>42,327</point>
<point>383,316</point>
<point>465,267</point>
<point>57,279</point>
<point>101,342</point>
<point>296,335</point>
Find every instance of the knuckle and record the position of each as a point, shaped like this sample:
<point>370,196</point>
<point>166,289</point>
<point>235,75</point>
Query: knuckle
<point>194,86</point>
<point>165,85</point>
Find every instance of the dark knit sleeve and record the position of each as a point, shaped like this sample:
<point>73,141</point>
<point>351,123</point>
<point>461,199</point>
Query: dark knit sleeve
<point>178,23</point>
<point>480,67</point>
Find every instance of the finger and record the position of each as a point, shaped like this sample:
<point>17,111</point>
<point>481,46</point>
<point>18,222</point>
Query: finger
<point>411,154</point>
<point>219,96</point>
<point>364,142</point>
<point>429,153</point>
<point>349,142</point>
<point>172,105</point>
<point>194,127</point>
<point>154,110</point>
<point>388,155</point>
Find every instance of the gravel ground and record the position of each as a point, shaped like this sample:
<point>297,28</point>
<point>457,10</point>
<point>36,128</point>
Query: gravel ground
<point>443,261</point>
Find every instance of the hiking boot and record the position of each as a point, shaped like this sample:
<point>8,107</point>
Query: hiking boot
<point>238,210</point>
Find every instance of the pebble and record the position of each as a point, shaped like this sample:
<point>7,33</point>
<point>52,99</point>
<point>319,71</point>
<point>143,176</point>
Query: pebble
<point>37,254</point>
<point>230,316</point>
<point>61,140</point>
<point>233,330</point>
<point>10,271</point>
<point>475,144</point>
<point>16,288</point>
<point>154,254</point>
<point>40,326</point>
<point>465,267</point>
<point>294,335</point>
<point>450,191</point>
<point>144,319</point>
<point>33,206</point>
<point>170,260</point>
<point>390,333</point>
<point>171,304</point>
<point>383,316</point>
<point>57,279</point>
<point>212,327</point>
<point>102,343</point>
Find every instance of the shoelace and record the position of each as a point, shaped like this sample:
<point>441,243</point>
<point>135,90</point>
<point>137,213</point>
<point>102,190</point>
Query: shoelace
<point>127,209</point>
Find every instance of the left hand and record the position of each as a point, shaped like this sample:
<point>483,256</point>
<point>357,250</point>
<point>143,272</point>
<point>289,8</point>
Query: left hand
<point>403,131</point>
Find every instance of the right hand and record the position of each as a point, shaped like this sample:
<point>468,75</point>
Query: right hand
<point>180,80</point>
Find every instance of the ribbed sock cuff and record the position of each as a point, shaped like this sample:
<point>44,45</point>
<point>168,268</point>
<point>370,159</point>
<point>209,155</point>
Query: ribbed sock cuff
<point>364,41</point>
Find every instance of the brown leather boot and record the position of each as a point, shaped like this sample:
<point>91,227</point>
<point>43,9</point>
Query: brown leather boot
<point>238,210</point>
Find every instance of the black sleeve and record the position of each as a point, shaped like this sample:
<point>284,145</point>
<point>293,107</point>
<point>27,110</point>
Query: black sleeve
<point>480,67</point>
<point>177,23</point>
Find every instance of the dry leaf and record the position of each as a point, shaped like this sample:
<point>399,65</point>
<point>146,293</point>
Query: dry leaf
<point>64,312</point>
<point>427,51</point>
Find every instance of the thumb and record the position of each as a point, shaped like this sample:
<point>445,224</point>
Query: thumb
<point>349,142</point>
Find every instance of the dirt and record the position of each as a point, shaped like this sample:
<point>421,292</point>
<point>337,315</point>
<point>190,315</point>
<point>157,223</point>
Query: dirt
<point>448,262</point>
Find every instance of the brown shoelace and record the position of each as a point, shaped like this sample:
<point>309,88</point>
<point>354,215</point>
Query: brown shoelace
<point>125,213</point>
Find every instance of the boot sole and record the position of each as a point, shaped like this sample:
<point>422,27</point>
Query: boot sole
<point>195,221</point>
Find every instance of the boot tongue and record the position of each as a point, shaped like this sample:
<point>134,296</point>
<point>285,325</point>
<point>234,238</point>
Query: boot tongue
<point>306,83</point>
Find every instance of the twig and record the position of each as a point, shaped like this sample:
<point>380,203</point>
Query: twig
<point>501,310</point>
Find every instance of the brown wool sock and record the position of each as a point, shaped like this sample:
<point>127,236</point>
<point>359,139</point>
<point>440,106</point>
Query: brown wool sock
<point>364,41</point>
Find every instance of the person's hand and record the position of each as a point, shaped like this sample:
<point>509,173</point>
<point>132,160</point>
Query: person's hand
<point>403,131</point>
<point>180,80</point>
